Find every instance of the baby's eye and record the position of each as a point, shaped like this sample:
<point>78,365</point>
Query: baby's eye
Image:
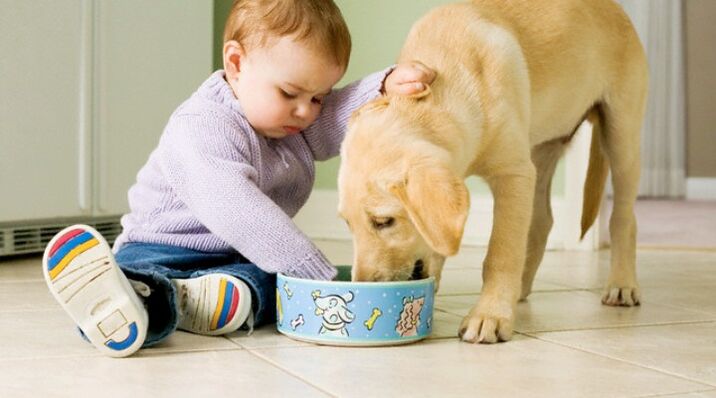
<point>318,101</point>
<point>287,94</point>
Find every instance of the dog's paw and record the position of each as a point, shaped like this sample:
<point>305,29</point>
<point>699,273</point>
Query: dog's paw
<point>625,296</point>
<point>487,325</point>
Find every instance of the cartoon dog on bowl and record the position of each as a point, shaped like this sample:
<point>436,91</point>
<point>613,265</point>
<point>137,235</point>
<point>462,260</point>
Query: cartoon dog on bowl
<point>334,310</point>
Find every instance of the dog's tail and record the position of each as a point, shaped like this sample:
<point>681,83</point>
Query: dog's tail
<point>596,172</point>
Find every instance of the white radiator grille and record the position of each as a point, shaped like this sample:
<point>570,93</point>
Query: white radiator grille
<point>32,238</point>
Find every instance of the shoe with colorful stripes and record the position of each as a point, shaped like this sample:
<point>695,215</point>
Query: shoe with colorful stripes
<point>212,304</point>
<point>84,278</point>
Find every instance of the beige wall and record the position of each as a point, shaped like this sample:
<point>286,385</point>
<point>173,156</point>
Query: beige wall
<point>701,88</point>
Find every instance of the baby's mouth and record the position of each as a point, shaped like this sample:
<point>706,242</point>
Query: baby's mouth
<point>291,129</point>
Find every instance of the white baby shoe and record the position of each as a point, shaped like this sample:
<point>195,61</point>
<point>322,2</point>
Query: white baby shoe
<point>212,304</point>
<point>84,278</point>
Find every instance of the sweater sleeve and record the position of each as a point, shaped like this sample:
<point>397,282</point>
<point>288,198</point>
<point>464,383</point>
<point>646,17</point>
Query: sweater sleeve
<point>207,168</point>
<point>325,135</point>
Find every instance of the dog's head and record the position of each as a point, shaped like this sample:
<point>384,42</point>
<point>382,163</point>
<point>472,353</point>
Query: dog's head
<point>404,205</point>
<point>334,308</point>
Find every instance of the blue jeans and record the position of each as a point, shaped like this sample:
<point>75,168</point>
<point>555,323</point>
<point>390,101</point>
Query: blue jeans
<point>156,265</point>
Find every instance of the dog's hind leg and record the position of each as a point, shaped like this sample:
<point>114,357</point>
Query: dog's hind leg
<point>545,157</point>
<point>623,114</point>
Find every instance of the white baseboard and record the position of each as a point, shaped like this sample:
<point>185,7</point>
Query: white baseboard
<point>319,220</point>
<point>700,188</point>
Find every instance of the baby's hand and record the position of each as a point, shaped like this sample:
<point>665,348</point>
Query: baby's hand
<point>408,78</point>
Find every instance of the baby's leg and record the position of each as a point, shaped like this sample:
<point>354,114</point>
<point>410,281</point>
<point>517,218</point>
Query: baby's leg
<point>84,278</point>
<point>190,290</point>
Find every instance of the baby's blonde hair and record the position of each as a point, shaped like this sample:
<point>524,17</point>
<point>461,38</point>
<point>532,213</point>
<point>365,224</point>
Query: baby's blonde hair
<point>317,23</point>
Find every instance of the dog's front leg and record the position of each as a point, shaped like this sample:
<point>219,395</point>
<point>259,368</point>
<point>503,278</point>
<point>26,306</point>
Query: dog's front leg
<point>492,318</point>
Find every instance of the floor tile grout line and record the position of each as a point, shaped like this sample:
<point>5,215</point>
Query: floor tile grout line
<point>10,282</point>
<point>673,394</point>
<point>592,291</point>
<point>640,365</point>
<point>555,290</point>
<point>226,337</point>
<point>12,311</point>
<point>681,307</point>
<point>145,353</point>
<point>565,289</point>
<point>596,292</point>
<point>264,347</point>
<point>614,327</point>
<point>257,354</point>
<point>707,249</point>
<point>700,321</point>
<point>285,347</point>
<point>140,354</point>
<point>272,363</point>
<point>35,358</point>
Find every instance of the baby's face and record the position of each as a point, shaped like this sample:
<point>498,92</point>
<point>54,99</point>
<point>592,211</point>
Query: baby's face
<point>281,86</point>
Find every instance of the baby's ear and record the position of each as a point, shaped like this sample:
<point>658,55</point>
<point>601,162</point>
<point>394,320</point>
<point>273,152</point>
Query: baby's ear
<point>233,53</point>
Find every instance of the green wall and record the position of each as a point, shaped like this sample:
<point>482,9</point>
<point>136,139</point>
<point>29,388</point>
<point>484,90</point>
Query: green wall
<point>378,28</point>
<point>221,11</point>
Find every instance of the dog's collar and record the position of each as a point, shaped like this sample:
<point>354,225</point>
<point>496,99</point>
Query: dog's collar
<point>333,326</point>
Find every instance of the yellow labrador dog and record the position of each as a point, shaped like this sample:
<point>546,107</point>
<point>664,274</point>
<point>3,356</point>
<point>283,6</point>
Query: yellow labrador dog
<point>514,80</point>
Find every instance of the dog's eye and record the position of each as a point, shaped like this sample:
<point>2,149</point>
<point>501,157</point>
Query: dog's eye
<point>383,222</point>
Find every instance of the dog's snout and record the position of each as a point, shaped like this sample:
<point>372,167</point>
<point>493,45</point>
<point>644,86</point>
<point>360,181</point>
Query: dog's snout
<point>417,270</point>
<point>360,274</point>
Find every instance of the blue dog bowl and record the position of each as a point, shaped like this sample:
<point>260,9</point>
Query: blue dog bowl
<point>349,313</point>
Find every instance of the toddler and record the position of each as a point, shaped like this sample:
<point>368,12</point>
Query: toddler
<point>210,221</point>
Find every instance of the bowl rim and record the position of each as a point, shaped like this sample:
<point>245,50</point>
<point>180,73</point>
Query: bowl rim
<point>424,281</point>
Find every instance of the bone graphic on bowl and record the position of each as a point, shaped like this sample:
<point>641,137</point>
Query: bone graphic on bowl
<point>373,317</point>
<point>297,322</point>
<point>288,291</point>
<point>279,307</point>
<point>334,310</point>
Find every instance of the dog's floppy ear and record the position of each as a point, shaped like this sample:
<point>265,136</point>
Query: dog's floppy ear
<point>381,102</point>
<point>437,202</point>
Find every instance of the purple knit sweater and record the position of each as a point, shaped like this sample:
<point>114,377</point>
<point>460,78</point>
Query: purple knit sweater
<point>213,184</point>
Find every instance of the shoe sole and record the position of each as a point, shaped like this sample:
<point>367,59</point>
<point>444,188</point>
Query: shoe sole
<point>224,317</point>
<point>84,278</point>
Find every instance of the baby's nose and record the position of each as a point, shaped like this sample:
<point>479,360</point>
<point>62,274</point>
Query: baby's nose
<point>301,112</point>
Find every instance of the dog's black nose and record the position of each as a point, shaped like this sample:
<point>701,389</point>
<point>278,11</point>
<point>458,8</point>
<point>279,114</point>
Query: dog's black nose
<point>417,270</point>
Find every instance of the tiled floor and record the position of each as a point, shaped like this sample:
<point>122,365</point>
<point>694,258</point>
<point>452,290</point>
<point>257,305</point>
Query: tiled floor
<point>567,344</point>
<point>687,224</point>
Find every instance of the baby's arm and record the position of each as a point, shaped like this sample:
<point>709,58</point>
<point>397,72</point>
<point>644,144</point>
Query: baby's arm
<point>209,173</point>
<point>325,135</point>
